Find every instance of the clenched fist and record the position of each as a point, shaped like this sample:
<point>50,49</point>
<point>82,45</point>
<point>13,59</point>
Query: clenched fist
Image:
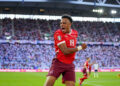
<point>84,46</point>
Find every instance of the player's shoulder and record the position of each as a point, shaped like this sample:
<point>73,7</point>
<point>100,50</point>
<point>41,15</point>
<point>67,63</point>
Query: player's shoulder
<point>74,31</point>
<point>58,32</point>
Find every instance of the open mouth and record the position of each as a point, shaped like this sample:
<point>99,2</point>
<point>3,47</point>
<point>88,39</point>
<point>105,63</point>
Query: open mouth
<point>63,28</point>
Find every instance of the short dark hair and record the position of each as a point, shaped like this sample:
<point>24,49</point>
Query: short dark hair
<point>68,17</point>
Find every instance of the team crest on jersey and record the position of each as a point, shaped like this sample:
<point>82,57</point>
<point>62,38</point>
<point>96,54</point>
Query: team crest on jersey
<point>59,38</point>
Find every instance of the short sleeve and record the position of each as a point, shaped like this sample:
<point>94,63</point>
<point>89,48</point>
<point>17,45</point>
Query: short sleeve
<point>76,34</point>
<point>59,39</point>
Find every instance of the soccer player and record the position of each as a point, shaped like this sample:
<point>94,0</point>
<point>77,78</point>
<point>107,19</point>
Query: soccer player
<point>65,40</point>
<point>96,70</point>
<point>87,67</point>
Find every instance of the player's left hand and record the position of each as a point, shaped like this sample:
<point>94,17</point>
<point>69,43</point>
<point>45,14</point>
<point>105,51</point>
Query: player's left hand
<point>84,46</point>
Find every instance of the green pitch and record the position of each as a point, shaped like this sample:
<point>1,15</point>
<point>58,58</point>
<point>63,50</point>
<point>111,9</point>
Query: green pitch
<point>38,79</point>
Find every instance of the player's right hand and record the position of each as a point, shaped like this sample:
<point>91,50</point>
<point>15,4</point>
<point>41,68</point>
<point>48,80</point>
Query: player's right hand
<point>84,46</point>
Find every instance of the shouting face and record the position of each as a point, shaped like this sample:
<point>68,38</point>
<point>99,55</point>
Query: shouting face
<point>65,25</point>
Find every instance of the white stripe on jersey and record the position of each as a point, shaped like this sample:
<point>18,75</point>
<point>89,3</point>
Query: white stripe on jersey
<point>60,43</point>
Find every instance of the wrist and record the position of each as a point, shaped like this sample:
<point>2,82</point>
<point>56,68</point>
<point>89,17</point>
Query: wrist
<point>79,48</point>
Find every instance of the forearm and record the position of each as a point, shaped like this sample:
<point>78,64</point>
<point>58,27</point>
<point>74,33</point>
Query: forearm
<point>70,50</point>
<point>67,50</point>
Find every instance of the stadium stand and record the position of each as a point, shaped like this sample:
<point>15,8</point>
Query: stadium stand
<point>39,56</point>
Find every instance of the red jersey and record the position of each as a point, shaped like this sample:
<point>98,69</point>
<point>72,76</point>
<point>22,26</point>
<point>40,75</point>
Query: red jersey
<point>70,39</point>
<point>86,64</point>
<point>90,68</point>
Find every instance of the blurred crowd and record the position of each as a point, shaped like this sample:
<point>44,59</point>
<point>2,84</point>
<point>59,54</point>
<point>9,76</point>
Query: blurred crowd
<point>29,29</point>
<point>29,56</point>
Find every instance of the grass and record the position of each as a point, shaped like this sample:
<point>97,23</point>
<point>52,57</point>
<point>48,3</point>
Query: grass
<point>38,79</point>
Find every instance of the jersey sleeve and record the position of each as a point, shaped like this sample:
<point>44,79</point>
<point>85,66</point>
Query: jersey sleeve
<point>76,34</point>
<point>59,39</point>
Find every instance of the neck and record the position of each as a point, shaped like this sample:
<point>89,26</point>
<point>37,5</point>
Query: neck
<point>69,31</point>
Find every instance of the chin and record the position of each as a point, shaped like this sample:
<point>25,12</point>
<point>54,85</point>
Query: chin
<point>63,31</point>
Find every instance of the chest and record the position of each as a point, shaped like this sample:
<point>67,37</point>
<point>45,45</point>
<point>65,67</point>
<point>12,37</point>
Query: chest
<point>86,64</point>
<point>70,40</point>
